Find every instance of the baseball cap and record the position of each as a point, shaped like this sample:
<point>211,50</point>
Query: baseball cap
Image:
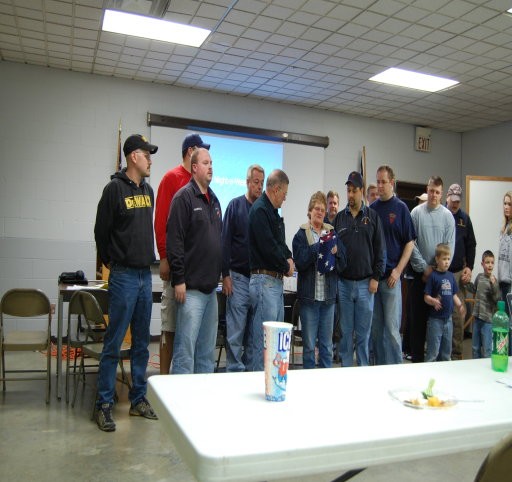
<point>193,140</point>
<point>423,197</point>
<point>355,179</point>
<point>137,141</point>
<point>454,192</point>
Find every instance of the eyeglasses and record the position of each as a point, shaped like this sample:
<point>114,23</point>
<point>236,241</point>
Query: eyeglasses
<point>147,156</point>
<point>285,193</point>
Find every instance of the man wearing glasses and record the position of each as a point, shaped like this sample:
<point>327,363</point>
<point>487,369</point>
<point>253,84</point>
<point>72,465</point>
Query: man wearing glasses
<point>269,259</point>
<point>124,240</point>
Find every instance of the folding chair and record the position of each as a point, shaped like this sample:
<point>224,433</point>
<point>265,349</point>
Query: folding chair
<point>25,303</point>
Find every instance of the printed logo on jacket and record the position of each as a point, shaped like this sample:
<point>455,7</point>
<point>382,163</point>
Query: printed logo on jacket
<point>139,201</point>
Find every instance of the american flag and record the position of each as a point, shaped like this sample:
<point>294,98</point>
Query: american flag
<point>326,260</point>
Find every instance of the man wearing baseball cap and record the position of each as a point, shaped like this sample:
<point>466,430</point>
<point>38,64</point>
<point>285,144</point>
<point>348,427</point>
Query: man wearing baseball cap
<point>360,230</point>
<point>124,240</point>
<point>171,183</point>
<point>463,261</point>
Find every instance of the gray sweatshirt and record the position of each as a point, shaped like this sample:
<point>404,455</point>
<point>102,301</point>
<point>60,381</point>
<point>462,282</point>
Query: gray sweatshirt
<point>433,226</point>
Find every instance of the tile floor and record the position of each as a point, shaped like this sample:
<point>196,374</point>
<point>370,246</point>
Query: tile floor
<point>57,442</point>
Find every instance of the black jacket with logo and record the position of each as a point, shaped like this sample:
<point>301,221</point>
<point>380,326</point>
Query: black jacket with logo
<point>193,241</point>
<point>124,223</point>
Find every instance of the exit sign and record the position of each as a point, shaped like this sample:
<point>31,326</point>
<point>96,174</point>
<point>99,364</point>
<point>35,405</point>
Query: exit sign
<point>423,139</point>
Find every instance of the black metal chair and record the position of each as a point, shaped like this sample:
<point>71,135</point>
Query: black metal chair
<point>96,326</point>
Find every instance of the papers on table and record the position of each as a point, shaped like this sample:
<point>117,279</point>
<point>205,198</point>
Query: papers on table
<point>88,287</point>
<point>506,381</point>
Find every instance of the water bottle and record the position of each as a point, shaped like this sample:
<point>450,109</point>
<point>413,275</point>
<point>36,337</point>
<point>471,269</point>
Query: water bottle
<point>500,331</point>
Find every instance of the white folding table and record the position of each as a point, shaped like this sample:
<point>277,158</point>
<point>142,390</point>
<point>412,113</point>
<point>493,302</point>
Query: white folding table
<point>334,419</point>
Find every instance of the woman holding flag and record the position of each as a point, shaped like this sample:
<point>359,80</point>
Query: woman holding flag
<point>316,252</point>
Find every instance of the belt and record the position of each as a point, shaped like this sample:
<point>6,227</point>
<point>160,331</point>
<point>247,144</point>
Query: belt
<point>274,274</point>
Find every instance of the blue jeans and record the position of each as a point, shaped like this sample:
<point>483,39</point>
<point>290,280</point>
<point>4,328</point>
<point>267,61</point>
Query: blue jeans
<point>482,339</point>
<point>130,303</point>
<point>196,333</point>
<point>356,308</point>
<point>238,325</point>
<point>267,304</point>
<point>439,339</point>
<point>317,322</point>
<point>387,343</point>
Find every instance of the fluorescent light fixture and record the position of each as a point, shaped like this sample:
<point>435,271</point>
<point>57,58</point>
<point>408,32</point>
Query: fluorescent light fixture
<point>413,80</point>
<point>153,28</point>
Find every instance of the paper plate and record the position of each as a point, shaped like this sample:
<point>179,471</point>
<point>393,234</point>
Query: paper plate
<point>413,398</point>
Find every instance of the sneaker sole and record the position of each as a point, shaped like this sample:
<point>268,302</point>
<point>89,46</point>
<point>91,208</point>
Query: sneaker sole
<point>134,413</point>
<point>107,429</point>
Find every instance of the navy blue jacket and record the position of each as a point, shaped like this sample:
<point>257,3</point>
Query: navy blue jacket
<point>364,242</point>
<point>235,237</point>
<point>465,243</point>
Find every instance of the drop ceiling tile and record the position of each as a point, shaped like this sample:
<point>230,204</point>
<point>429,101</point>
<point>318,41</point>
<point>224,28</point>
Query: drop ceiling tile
<point>345,12</point>
<point>479,32</point>
<point>394,26</point>
<point>29,24</point>
<point>87,24</point>
<point>411,14</point>
<point>417,31</point>
<point>376,36</point>
<point>29,13</point>
<point>304,18</point>
<point>330,24</point>
<point>95,14</point>
<point>457,27</point>
<point>7,20</point>
<point>369,19</point>
<point>61,8</point>
<point>291,29</point>
<point>499,53</point>
<point>276,11</point>
<point>479,15</point>
<point>254,34</point>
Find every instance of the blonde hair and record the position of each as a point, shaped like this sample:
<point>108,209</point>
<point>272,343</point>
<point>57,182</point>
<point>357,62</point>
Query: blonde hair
<point>318,197</point>
<point>507,223</point>
<point>442,249</point>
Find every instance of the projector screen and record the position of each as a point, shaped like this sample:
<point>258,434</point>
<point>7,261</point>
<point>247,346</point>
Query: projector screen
<point>231,157</point>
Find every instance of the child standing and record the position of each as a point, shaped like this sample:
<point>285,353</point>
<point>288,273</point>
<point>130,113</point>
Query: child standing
<point>440,294</point>
<point>486,297</point>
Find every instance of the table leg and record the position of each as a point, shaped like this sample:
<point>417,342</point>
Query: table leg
<point>348,475</point>
<point>60,315</point>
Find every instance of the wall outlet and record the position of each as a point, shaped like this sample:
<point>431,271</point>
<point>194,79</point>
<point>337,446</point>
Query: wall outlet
<point>52,306</point>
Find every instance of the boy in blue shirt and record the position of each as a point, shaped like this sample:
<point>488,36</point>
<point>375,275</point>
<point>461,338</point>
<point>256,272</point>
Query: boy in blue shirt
<point>441,294</point>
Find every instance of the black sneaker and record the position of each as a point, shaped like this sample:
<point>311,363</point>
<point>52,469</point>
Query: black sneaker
<point>143,409</point>
<point>104,418</point>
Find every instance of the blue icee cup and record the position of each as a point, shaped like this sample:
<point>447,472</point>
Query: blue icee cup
<point>277,339</point>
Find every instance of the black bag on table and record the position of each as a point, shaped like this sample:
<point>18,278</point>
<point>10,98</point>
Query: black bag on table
<point>73,278</point>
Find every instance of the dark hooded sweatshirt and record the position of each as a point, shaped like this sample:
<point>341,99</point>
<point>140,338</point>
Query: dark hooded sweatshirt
<point>124,223</point>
